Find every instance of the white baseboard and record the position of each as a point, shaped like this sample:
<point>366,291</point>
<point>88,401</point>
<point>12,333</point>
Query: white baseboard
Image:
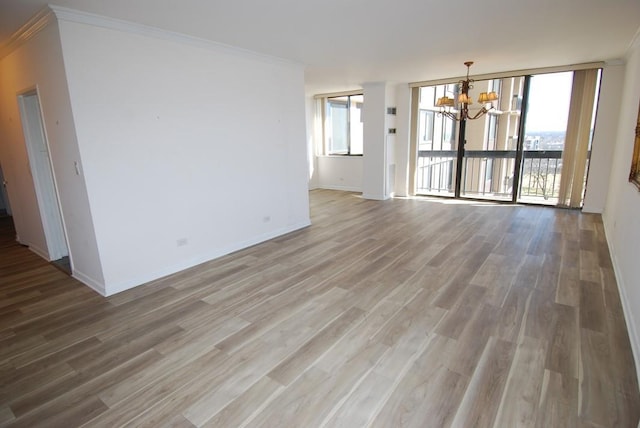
<point>343,188</point>
<point>39,251</point>
<point>89,282</point>
<point>628,312</point>
<point>377,197</point>
<point>112,289</point>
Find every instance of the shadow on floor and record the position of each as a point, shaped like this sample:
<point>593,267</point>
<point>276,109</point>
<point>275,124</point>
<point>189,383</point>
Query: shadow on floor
<point>8,237</point>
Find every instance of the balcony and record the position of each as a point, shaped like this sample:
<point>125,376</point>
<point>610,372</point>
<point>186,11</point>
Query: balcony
<point>489,174</point>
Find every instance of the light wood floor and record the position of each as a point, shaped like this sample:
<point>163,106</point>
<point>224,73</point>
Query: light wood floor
<point>385,314</point>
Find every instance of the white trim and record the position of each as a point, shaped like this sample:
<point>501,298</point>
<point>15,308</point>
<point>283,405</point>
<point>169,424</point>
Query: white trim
<point>503,74</point>
<point>44,176</point>
<point>89,282</point>
<point>30,29</point>
<point>628,312</point>
<point>376,197</point>
<point>339,94</point>
<point>341,188</point>
<point>39,251</point>
<point>71,15</point>
<point>339,156</point>
<point>636,39</point>
<point>217,253</point>
<point>614,62</point>
<point>50,13</point>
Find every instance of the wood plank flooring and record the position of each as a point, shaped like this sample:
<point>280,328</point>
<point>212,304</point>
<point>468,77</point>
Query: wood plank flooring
<point>402,313</point>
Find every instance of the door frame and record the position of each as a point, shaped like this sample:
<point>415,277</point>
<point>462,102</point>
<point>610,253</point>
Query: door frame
<point>42,171</point>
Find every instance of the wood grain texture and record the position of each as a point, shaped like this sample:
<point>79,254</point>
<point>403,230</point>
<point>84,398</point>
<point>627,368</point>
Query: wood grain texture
<point>400,313</point>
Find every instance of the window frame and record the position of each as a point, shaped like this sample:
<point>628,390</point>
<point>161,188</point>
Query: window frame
<point>324,100</point>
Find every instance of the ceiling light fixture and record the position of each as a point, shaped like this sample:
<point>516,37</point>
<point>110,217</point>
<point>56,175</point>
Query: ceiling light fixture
<point>447,105</point>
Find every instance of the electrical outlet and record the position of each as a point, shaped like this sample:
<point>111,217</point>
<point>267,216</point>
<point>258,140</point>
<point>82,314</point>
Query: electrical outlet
<point>182,242</point>
<point>266,219</point>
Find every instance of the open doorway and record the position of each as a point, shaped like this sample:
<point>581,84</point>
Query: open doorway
<point>43,179</point>
<point>5,208</point>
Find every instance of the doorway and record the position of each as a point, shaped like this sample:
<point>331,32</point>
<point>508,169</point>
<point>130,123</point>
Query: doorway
<point>5,208</point>
<point>43,178</point>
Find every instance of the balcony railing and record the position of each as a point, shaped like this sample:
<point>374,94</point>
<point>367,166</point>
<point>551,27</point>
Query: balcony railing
<point>436,172</point>
<point>489,174</point>
<point>541,172</point>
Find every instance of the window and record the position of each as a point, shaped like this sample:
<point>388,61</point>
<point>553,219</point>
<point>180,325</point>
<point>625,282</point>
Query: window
<point>343,125</point>
<point>491,137</point>
<point>437,132</point>
<point>426,130</point>
<point>547,164</point>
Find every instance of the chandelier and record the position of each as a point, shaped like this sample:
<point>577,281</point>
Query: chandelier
<point>447,104</point>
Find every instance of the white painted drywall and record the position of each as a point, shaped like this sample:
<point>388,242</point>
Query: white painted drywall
<point>374,159</point>
<point>622,210</point>
<point>314,139</point>
<point>340,173</point>
<point>37,63</point>
<point>330,172</point>
<point>403,118</point>
<point>374,172</point>
<point>190,150</point>
<point>390,141</point>
<point>42,174</point>
<point>604,138</point>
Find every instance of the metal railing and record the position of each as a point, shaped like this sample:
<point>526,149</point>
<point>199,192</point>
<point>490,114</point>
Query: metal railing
<point>489,174</point>
<point>436,172</point>
<point>541,172</point>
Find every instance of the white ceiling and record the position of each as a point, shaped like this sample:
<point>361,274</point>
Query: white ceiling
<point>344,43</point>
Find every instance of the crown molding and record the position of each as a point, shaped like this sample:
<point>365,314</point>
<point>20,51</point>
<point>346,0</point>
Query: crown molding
<point>30,29</point>
<point>76,16</point>
<point>51,13</point>
<point>634,42</point>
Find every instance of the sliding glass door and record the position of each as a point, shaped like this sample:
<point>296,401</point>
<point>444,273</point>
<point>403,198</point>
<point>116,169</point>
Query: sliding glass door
<point>516,152</point>
<point>489,158</point>
<point>436,145</point>
<point>544,138</point>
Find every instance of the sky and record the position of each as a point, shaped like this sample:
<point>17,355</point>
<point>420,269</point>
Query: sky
<point>549,97</point>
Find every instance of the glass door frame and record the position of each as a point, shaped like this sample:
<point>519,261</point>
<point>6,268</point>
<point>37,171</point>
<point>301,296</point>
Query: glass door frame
<point>494,179</point>
<point>517,168</point>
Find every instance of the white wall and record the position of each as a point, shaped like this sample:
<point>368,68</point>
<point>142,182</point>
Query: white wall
<point>37,63</point>
<point>190,150</point>
<point>604,137</point>
<point>401,152</point>
<point>374,173</point>
<point>340,173</point>
<point>333,172</point>
<point>622,210</point>
<point>374,159</point>
<point>314,142</point>
<point>390,122</point>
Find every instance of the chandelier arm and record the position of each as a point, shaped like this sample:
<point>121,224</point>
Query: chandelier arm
<point>478,115</point>
<point>450,115</point>
<point>481,113</point>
